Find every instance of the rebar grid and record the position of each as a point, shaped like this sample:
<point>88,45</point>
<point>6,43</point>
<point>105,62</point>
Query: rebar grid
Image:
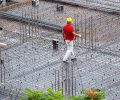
<point>47,12</point>
<point>99,5</point>
<point>33,63</point>
<point>26,67</point>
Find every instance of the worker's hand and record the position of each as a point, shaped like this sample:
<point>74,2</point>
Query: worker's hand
<point>79,35</point>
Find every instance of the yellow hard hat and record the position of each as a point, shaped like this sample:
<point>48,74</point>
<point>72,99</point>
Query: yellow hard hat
<point>69,20</point>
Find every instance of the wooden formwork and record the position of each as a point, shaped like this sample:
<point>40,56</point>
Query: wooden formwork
<point>6,8</point>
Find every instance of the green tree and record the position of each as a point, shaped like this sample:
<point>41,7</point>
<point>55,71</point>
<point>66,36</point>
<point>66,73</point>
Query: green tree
<point>50,94</point>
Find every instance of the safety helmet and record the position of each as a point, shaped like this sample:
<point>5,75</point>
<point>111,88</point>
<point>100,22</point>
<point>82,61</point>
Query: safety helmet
<point>69,20</point>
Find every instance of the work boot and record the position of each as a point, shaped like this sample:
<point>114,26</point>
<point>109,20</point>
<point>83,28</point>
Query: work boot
<point>73,59</point>
<point>65,61</point>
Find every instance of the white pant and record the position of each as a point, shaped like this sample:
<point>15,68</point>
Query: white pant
<point>69,51</point>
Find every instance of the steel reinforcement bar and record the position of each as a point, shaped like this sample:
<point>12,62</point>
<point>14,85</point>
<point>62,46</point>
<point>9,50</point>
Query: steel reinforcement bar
<point>89,5</point>
<point>32,21</point>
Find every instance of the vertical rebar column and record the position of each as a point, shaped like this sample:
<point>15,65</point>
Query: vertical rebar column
<point>68,81</point>
<point>118,22</point>
<point>28,12</point>
<point>75,22</point>
<point>92,35</point>
<point>66,74</point>
<point>37,22</point>
<point>39,32</point>
<point>25,27</point>
<point>89,34</point>
<point>25,13</point>
<point>85,30</point>
<point>22,13</point>
<point>31,14</point>
<point>37,13</point>
<point>32,36</point>
<point>55,80</point>
<point>23,33</point>
<point>34,13</point>
<point>58,80</point>
<point>3,70</point>
<point>20,32</point>
<point>95,39</point>
<point>52,85</point>
<point>22,28</point>
<point>29,29</point>
<point>62,80</point>
<point>81,24</point>
<point>81,29</point>
<point>72,80</point>
<point>29,23</point>
<point>2,64</point>
<point>75,86</point>
<point>1,67</point>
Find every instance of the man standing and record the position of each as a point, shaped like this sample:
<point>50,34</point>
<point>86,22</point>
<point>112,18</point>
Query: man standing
<point>69,36</point>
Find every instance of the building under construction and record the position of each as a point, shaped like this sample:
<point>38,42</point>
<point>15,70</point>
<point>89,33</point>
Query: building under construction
<point>35,46</point>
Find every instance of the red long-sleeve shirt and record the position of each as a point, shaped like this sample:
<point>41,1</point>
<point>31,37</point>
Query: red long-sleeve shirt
<point>68,32</point>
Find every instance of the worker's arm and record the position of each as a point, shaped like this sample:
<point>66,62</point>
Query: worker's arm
<point>75,34</point>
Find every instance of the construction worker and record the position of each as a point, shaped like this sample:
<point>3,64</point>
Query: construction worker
<point>69,36</point>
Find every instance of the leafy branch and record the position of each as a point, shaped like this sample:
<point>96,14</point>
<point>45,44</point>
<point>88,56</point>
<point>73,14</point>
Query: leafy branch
<point>50,94</point>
